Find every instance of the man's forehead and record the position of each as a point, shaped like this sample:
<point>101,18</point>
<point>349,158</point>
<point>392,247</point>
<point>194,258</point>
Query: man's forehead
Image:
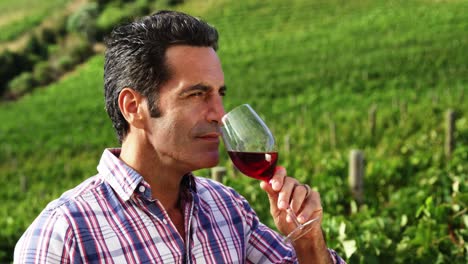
<point>193,60</point>
<point>186,49</point>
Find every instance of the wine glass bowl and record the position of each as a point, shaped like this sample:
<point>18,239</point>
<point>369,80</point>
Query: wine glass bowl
<point>244,130</point>
<point>249,142</point>
<point>251,147</point>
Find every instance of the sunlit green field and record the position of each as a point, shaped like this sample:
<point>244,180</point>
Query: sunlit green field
<point>314,70</point>
<point>17,17</point>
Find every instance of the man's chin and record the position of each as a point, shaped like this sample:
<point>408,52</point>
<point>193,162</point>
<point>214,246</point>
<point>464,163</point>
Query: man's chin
<point>209,160</point>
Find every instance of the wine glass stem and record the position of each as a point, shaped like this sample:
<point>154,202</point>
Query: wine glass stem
<point>293,216</point>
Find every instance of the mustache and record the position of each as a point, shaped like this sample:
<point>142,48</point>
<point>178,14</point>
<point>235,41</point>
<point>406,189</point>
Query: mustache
<point>206,128</point>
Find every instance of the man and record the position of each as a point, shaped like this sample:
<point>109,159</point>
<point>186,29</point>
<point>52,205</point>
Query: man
<point>164,90</point>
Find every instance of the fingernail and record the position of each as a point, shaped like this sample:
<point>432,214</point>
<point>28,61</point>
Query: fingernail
<point>274,184</point>
<point>302,218</point>
<point>282,205</point>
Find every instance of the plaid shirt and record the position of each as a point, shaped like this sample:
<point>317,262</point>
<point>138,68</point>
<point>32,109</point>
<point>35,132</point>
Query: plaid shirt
<point>112,218</point>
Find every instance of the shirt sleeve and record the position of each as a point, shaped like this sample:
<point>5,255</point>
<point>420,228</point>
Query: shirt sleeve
<point>336,259</point>
<point>266,246</point>
<point>49,239</point>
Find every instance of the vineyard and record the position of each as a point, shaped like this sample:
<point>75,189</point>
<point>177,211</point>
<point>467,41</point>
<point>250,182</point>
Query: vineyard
<point>20,16</point>
<point>328,77</point>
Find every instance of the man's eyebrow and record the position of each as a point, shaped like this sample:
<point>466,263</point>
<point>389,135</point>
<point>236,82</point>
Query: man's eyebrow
<point>197,87</point>
<point>202,87</point>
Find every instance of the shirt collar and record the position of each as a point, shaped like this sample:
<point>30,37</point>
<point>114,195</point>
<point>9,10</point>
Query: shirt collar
<point>124,180</point>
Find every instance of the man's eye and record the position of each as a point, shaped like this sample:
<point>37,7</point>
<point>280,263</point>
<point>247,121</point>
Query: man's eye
<point>197,94</point>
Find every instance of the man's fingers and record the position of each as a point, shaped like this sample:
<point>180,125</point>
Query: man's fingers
<point>277,180</point>
<point>311,207</point>
<point>300,194</point>
<point>285,195</point>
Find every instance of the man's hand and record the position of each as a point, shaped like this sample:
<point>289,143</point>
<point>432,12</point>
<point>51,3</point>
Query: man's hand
<point>286,192</point>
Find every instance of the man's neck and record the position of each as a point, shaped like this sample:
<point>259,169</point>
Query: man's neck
<point>162,176</point>
<point>163,179</point>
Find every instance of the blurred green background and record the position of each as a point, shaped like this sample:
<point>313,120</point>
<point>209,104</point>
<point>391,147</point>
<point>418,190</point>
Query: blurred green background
<point>327,76</point>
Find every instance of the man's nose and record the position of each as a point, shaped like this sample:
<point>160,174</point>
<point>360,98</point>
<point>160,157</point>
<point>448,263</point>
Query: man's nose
<point>217,110</point>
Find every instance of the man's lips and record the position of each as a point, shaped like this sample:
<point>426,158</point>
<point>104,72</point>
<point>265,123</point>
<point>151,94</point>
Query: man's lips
<point>214,136</point>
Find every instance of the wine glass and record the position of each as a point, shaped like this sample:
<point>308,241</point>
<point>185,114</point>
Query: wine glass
<point>251,147</point>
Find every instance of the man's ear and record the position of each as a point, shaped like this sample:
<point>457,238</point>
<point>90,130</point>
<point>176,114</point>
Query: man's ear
<point>131,104</point>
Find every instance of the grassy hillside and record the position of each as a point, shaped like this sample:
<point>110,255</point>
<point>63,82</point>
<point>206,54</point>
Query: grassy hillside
<point>50,142</point>
<point>20,16</point>
<point>307,67</point>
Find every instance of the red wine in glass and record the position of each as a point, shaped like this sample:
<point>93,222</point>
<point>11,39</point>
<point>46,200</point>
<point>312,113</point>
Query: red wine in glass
<point>251,147</point>
<point>258,165</point>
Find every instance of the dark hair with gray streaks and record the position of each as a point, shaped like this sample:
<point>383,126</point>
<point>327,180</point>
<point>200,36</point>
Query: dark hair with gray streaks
<point>135,58</point>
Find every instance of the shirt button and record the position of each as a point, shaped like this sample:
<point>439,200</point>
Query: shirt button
<point>165,221</point>
<point>142,188</point>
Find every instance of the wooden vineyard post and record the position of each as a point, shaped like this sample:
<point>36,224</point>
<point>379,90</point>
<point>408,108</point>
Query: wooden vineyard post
<point>23,183</point>
<point>218,173</point>
<point>356,175</point>
<point>449,133</point>
<point>372,121</point>
<point>287,143</point>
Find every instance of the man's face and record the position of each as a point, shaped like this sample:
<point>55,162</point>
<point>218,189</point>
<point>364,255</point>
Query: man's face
<point>187,133</point>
